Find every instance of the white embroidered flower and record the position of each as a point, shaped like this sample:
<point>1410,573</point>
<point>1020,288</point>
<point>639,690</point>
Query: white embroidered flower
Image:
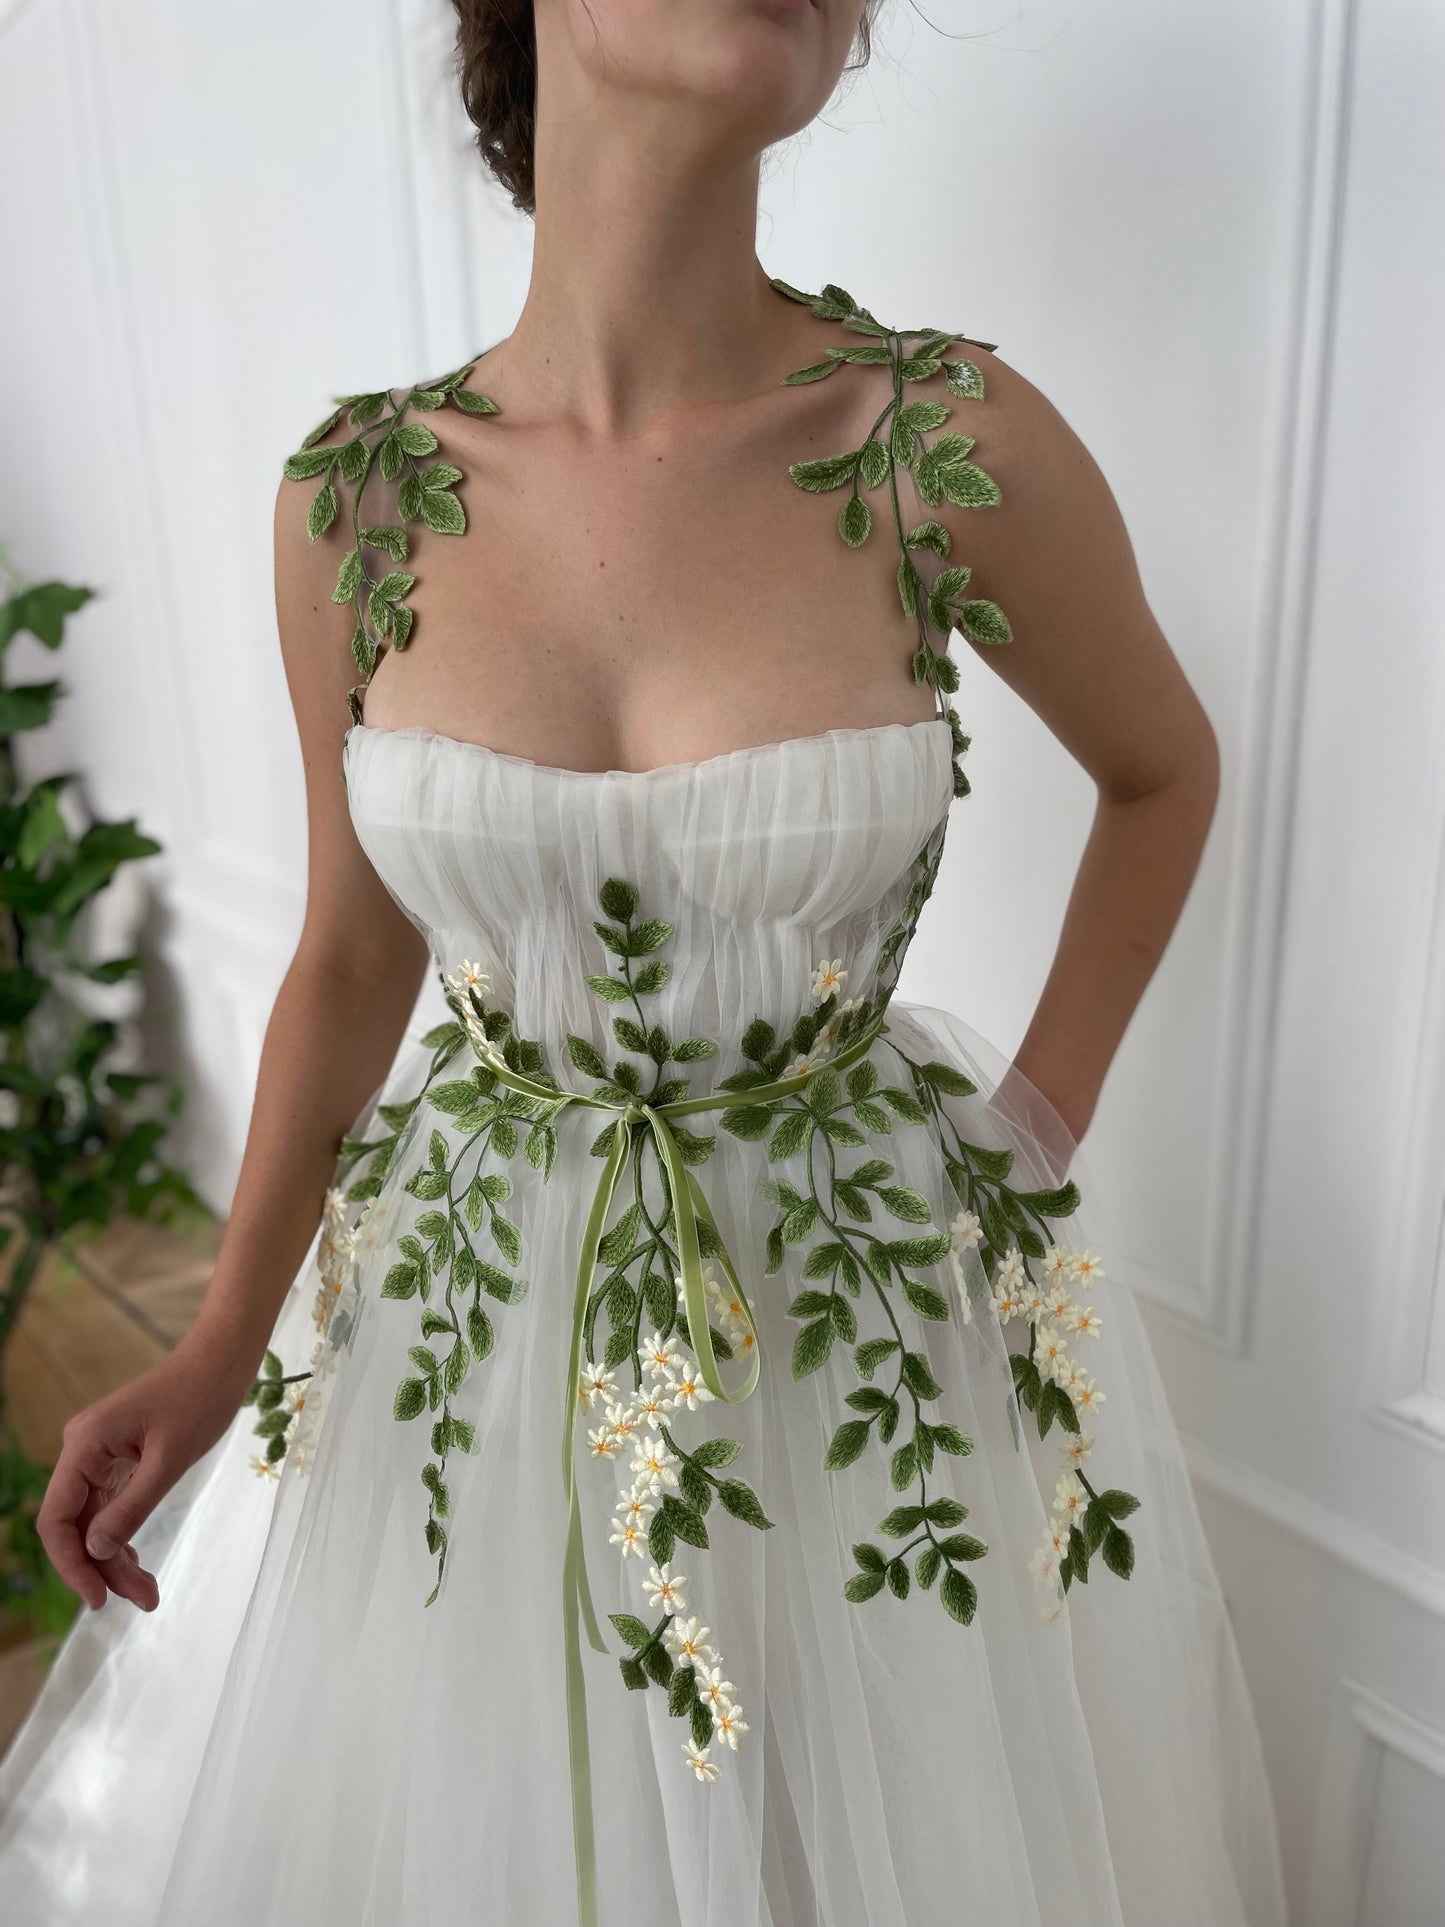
<point>334,1249</point>
<point>1011,1272</point>
<point>666,1590</point>
<point>371,1229</point>
<point>1008,1302</point>
<point>654,1463</point>
<point>966,1231</point>
<point>1087,1399</point>
<point>1059,1302</point>
<point>1076,1449</point>
<point>828,977</point>
<point>1084,1319</point>
<point>636,1507</point>
<point>481,1043</point>
<point>1068,1497</point>
<point>264,1469</point>
<point>663,1357</point>
<point>965,1304</point>
<point>1033,1303</point>
<point>697,1758</point>
<point>632,1538</point>
<point>1051,1613</point>
<point>1044,1565</point>
<point>652,1407</point>
<point>1056,1262</point>
<point>687,1640</point>
<point>625,1421</point>
<point>469,976</point>
<point>333,1205</point>
<point>1086,1268</point>
<point>710,1286</point>
<point>731,1309</point>
<point>597,1381</point>
<point>807,1061</point>
<point>690,1389</point>
<point>1058,1535</point>
<point>1069,1375</point>
<point>1051,1353</point>
<point>728,1723</point>
<point>604,1442</point>
<point>712,1688</point>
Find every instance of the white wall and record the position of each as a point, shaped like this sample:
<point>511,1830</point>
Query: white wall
<point>1210,234</point>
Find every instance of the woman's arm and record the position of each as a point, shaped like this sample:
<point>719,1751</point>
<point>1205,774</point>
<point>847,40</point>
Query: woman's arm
<point>334,1029</point>
<point>1089,658</point>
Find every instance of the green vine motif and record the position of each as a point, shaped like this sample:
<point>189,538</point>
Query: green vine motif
<point>384,439</point>
<point>642,1283</point>
<point>898,438</point>
<point>1010,1227</point>
<point>442,1262</point>
<point>829,1117</point>
<point>273,1397</point>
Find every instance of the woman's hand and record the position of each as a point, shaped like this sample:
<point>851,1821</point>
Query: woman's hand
<point>121,1456</point>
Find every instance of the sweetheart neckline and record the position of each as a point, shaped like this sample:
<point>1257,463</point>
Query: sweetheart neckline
<point>421,732</point>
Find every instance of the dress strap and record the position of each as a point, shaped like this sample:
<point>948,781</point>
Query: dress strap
<point>385,443</point>
<point>922,467</point>
<point>382,441</point>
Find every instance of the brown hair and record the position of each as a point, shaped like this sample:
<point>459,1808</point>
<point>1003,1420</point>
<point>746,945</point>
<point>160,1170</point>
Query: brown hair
<point>496,62</point>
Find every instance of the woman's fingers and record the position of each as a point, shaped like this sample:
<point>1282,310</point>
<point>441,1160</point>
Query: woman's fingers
<point>128,1579</point>
<point>99,1494</point>
<point>59,1525</point>
<point>126,1512</point>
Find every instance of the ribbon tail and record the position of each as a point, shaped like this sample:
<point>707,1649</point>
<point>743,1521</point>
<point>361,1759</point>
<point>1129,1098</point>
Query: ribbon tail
<point>577,1606</point>
<point>688,1205</point>
<point>574,1593</point>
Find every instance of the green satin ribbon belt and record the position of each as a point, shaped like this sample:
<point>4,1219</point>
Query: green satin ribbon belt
<point>689,1208</point>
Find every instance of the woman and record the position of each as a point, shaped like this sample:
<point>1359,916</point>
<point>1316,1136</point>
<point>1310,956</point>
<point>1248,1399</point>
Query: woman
<point>635,763</point>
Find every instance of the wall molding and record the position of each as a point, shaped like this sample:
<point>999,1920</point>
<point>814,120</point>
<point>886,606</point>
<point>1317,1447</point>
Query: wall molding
<point>1409,1294</point>
<point>1265,828</point>
<point>1365,1728</point>
<point>1325,1531</point>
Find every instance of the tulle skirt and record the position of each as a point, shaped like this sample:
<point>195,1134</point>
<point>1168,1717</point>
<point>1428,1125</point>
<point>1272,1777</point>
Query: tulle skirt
<point>293,1737</point>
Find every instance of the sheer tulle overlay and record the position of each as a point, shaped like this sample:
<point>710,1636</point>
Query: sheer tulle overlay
<point>294,1737</point>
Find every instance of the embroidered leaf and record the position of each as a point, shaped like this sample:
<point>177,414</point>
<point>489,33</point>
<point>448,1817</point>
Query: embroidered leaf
<point>855,521</point>
<point>831,472</point>
<point>959,1596</point>
<point>968,486</point>
<point>871,1354</point>
<point>907,1204</point>
<point>441,510</point>
<point>984,622</point>
<point>471,403</point>
<point>812,1346</point>
<point>848,1443</point>
<point>410,1398</point>
<point>322,512</point>
<point>1119,1552</point>
<point>964,380</point>
<point>863,1585</point>
<point>742,1502</point>
<point>944,1077</point>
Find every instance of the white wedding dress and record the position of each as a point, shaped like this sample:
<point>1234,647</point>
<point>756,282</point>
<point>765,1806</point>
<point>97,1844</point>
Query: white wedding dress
<point>296,1738</point>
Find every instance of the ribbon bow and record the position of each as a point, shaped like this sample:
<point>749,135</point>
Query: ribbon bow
<point>689,1208</point>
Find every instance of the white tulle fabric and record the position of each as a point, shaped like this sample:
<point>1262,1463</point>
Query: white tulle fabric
<point>291,1738</point>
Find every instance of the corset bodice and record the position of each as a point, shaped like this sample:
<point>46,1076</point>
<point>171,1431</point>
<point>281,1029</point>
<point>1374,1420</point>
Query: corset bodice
<point>764,861</point>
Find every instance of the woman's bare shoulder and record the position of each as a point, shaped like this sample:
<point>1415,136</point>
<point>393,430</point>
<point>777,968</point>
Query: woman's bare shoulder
<point>1054,552</point>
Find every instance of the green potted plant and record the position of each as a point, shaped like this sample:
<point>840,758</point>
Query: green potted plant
<point>81,1127</point>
